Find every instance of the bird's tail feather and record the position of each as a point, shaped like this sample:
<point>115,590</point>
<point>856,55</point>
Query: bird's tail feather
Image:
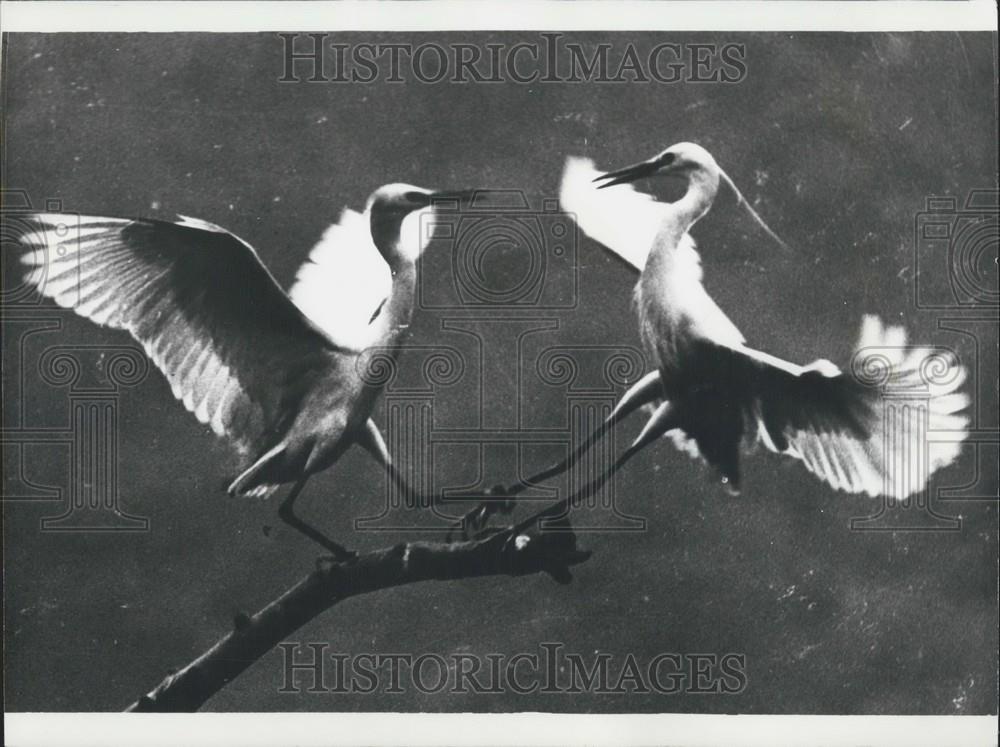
<point>257,481</point>
<point>261,491</point>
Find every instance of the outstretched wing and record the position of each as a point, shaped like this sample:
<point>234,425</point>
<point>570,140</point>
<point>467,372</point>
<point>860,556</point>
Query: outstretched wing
<point>236,351</point>
<point>842,427</point>
<point>622,219</point>
<point>345,281</point>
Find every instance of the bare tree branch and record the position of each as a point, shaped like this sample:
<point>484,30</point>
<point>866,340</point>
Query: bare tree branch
<point>515,551</point>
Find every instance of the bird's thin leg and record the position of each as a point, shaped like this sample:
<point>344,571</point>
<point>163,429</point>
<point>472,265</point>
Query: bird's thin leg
<point>644,391</point>
<point>287,513</point>
<point>371,439</point>
<point>662,420</point>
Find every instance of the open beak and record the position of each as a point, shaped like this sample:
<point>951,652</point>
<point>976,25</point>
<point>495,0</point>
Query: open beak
<point>629,174</point>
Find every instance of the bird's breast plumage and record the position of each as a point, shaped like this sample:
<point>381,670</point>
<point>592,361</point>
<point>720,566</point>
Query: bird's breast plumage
<point>674,309</point>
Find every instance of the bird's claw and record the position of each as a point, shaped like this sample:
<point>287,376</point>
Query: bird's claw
<point>468,525</point>
<point>474,524</point>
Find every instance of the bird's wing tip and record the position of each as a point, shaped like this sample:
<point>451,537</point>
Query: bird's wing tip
<point>188,222</point>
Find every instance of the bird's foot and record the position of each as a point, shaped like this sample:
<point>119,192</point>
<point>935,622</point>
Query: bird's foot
<point>338,552</point>
<point>474,525</point>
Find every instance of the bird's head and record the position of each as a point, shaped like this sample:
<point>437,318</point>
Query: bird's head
<point>388,206</point>
<point>679,160</point>
<point>398,199</point>
<point>692,162</point>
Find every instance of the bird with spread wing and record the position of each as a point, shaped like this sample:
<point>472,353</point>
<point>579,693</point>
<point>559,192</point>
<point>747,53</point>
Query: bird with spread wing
<point>280,375</point>
<point>713,394</point>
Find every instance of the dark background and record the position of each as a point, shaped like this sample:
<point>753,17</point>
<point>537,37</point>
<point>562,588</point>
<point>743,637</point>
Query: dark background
<point>837,139</point>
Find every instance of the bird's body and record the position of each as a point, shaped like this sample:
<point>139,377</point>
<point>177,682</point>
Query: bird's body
<point>336,401</point>
<point>279,375</point>
<point>675,310</point>
<point>332,402</point>
<point>681,326</point>
<point>713,394</point>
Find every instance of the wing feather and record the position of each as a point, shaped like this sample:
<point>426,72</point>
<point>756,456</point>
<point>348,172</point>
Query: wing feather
<point>233,347</point>
<point>345,281</point>
<point>846,430</point>
<point>622,219</point>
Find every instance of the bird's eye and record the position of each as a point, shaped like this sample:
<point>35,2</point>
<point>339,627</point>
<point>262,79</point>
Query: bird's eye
<point>414,196</point>
<point>667,158</point>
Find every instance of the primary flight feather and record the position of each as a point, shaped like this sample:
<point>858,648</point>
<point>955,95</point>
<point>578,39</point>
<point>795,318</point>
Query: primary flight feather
<point>277,374</point>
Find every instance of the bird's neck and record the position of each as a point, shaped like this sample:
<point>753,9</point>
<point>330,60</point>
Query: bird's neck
<point>398,311</point>
<point>703,185</point>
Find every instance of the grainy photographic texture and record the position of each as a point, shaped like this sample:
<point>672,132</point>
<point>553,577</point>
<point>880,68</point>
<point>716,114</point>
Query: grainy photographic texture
<point>871,155</point>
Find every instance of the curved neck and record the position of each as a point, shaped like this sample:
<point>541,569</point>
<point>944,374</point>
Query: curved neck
<point>386,229</point>
<point>394,318</point>
<point>665,257</point>
<point>703,185</point>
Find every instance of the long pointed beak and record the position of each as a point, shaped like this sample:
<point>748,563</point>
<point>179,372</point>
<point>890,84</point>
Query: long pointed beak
<point>452,194</point>
<point>628,174</point>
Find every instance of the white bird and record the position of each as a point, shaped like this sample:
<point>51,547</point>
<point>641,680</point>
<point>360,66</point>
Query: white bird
<point>279,375</point>
<point>711,393</point>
